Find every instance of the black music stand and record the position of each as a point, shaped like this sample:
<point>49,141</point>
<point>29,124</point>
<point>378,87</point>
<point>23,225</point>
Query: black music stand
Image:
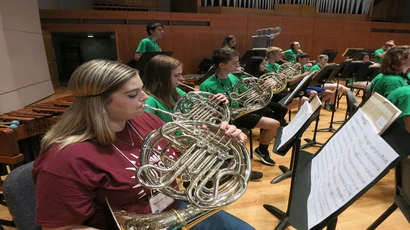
<point>347,69</point>
<point>252,53</point>
<point>145,57</point>
<point>296,213</point>
<point>299,91</point>
<point>331,54</point>
<point>367,73</point>
<point>349,51</point>
<point>293,143</point>
<point>320,79</point>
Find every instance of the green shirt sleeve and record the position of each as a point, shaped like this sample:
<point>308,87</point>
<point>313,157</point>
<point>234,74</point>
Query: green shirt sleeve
<point>401,98</point>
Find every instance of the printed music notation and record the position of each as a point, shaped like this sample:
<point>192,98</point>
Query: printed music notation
<point>381,112</point>
<point>300,119</point>
<point>350,161</point>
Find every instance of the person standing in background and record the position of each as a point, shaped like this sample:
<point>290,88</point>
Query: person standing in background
<point>150,44</point>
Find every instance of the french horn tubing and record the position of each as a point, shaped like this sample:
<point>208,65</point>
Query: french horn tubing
<point>217,167</point>
<point>254,93</point>
<point>203,106</point>
<point>290,70</point>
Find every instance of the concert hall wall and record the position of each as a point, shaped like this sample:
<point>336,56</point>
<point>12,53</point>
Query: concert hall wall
<point>192,36</point>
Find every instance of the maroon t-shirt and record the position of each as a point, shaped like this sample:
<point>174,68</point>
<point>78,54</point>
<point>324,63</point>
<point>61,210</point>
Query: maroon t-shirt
<point>72,183</point>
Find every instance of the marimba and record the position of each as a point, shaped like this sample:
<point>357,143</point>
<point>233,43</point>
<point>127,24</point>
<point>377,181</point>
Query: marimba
<point>23,143</point>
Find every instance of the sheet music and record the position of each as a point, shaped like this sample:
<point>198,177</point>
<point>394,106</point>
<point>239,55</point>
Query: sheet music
<point>351,160</point>
<point>381,112</point>
<point>300,119</point>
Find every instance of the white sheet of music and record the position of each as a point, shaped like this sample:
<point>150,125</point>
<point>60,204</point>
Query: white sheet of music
<point>300,119</point>
<point>351,160</point>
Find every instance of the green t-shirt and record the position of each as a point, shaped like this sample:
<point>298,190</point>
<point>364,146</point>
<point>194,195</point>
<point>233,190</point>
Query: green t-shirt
<point>148,45</point>
<point>400,97</point>
<point>378,52</point>
<point>215,85</point>
<point>154,102</point>
<point>290,55</point>
<point>315,67</point>
<point>385,84</point>
<point>271,67</point>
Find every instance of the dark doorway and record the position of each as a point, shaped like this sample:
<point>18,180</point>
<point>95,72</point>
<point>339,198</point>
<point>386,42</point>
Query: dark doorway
<point>73,49</point>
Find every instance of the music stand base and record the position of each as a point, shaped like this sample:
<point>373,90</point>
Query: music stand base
<point>282,177</point>
<point>281,215</point>
<point>310,143</point>
<point>284,169</point>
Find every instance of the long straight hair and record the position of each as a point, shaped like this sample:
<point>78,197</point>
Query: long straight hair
<point>253,66</point>
<point>157,79</point>
<point>86,119</point>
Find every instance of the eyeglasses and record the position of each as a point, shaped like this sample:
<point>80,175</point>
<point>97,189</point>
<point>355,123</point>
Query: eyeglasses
<point>389,45</point>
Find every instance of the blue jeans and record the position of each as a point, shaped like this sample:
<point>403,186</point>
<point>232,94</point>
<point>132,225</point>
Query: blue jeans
<point>219,221</point>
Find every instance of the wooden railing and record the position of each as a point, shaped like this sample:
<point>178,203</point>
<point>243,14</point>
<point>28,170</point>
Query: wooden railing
<point>323,6</point>
<point>127,5</point>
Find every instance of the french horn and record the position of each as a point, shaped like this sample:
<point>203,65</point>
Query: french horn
<point>217,167</point>
<point>202,106</point>
<point>253,93</point>
<point>290,70</point>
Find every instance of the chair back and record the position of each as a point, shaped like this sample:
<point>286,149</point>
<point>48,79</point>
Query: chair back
<point>351,101</point>
<point>19,192</point>
<point>367,93</point>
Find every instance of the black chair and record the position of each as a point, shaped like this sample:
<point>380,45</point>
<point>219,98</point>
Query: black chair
<point>367,94</point>
<point>20,193</point>
<point>352,105</point>
<point>402,196</point>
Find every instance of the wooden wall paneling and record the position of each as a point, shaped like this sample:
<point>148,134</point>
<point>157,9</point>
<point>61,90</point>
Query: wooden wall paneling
<point>328,27</point>
<point>402,39</point>
<point>97,14</point>
<point>376,40</point>
<point>149,16</point>
<point>384,25</point>
<point>104,28</point>
<point>356,28</point>
<point>320,43</point>
<point>283,41</point>
<point>68,14</point>
<point>296,29</point>
<point>135,34</point>
<point>297,26</point>
<point>62,28</point>
<point>124,51</point>
<point>259,22</point>
<point>224,25</point>
<point>188,17</point>
<point>190,45</point>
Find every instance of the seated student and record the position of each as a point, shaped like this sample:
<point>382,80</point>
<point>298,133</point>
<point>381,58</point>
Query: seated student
<point>229,42</point>
<point>256,67</point>
<point>311,91</point>
<point>273,55</point>
<point>226,61</point>
<point>400,97</point>
<point>161,77</point>
<point>149,44</point>
<point>322,62</point>
<point>290,54</point>
<point>91,154</point>
<point>393,70</point>
<point>364,57</point>
<point>382,51</point>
